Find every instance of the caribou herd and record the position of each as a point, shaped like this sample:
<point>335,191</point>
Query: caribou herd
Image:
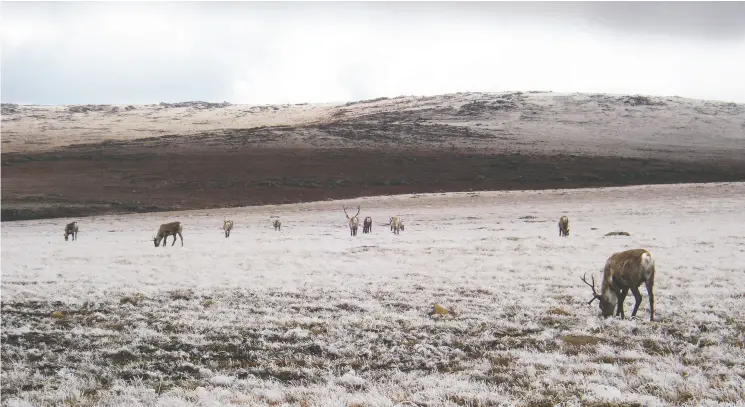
<point>623,271</point>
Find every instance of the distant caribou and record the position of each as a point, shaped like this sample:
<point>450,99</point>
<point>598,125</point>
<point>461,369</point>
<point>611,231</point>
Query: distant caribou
<point>277,224</point>
<point>367,225</point>
<point>169,229</point>
<point>354,221</point>
<point>625,271</point>
<point>227,226</point>
<point>71,229</point>
<point>396,225</point>
<point>564,226</point>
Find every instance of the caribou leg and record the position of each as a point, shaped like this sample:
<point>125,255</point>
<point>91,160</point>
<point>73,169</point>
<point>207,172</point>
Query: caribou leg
<point>638,298</point>
<point>650,293</point>
<point>621,299</point>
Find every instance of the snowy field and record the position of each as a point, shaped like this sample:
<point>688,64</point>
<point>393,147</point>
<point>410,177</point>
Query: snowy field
<point>310,316</point>
<point>541,122</point>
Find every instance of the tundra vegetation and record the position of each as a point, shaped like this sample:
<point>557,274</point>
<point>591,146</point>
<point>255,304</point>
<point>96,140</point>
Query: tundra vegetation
<point>317,319</point>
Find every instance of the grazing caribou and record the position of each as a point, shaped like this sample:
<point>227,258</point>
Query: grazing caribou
<point>169,229</point>
<point>367,225</point>
<point>354,221</point>
<point>396,225</point>
<point>227,226</point>
<point>564,226</point>
<point>71,229</point>
<point>625,271</point>
<point>277,224</point>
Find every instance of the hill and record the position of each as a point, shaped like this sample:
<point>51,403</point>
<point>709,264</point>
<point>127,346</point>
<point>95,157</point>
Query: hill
<point>80,160</point>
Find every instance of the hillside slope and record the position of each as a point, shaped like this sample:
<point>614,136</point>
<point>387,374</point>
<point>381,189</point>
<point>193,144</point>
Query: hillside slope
<point>80,160</point>
<point>588,123</point>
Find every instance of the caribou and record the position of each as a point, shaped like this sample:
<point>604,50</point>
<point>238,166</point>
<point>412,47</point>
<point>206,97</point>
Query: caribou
<point>625,271</point>
<point>367,225</point>
<point>169,229</point>
<point>354,221</point>
<point>396,225</point>
<point>277,224</point>
<point>564,226</point>
<point>227,226</point>
<point>71,229</point>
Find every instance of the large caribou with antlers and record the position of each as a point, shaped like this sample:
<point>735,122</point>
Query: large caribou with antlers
<point>625,271</point>
<point>564,226</point>
<point>71,229</point>
<point>169,229</point>
<point>367,225</point>
<point>227,226</point>
<point>354,221</point>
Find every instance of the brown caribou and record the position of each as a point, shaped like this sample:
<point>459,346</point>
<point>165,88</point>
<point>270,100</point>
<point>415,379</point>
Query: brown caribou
<point>71,229</point>
<point>564,226</point>
<point>625,271</point>
<point>169,229</point>
<point>354,221</point>
<point>227,226</point>
<point>396,225</point>
<point>367,225</point>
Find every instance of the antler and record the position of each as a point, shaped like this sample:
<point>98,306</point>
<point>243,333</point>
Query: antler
<point>345,211</point>
<point>358,210</point>
<point>594,293</point>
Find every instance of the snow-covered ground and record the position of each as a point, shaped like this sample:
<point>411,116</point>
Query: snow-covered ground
<point>542,122</point>
<point>311,316</point>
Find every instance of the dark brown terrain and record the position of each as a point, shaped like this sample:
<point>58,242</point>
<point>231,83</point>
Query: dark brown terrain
<point>105,179</point>
<point>402,151</point>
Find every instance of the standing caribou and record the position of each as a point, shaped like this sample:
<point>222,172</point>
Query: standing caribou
<point>169,229</point>
<point>367,225</point>
<point>564,226</point>
<point>354,221</point>
<point>227,226</point>
<point>396,225</point>
<point>277,224</point>
<point>71,229</point>
<point>625,271</point>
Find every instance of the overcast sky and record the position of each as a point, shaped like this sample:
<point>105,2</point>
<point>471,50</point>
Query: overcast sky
<point>274,52</point>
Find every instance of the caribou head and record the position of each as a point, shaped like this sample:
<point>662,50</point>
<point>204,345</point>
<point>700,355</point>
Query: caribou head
<point>606,304</point>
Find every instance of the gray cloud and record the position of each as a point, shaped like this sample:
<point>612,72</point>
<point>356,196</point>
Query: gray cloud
<point>708,20</point>
<point>274,52</point>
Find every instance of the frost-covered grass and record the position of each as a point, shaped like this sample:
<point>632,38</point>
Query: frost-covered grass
<point>310,316</point>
